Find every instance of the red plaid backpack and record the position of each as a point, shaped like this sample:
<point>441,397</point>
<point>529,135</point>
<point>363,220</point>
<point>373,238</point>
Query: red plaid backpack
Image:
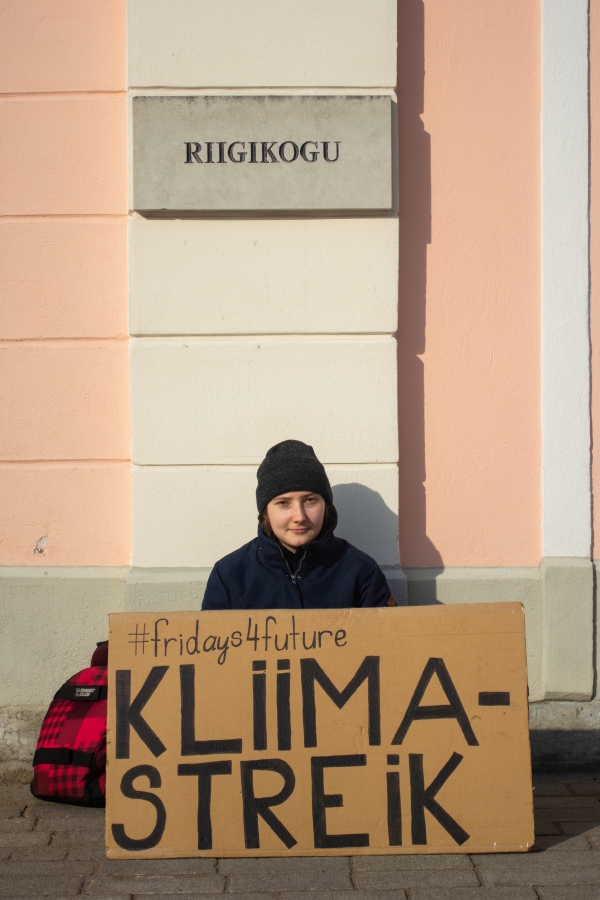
<point>69,765</point>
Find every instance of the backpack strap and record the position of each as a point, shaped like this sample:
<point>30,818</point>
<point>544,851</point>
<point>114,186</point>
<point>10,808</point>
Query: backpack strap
<point>89,692</point>
<point>62,756</point>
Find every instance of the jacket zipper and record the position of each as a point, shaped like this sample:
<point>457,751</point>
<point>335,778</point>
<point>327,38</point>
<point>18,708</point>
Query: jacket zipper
<point>294,576</point>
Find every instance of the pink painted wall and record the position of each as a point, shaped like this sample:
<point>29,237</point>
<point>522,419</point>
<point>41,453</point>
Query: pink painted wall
<point>62,45</point>
<point>64,381</point>
<point>469,119</point>
<point>595,259</point>
<point>469,105</point>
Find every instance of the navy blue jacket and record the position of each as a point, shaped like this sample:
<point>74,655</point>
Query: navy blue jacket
<point>328,573</point>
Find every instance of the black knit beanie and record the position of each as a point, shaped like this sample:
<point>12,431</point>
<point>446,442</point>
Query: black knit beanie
<point>290,466</point>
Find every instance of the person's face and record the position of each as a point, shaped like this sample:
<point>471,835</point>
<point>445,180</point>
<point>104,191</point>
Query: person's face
<point>296,518</point>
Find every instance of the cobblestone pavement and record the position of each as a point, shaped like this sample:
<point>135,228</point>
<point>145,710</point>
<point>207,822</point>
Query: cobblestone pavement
<point>50,850</point>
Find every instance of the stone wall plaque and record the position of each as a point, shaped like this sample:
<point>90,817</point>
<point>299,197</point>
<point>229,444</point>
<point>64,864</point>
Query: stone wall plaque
<point>262,153</point>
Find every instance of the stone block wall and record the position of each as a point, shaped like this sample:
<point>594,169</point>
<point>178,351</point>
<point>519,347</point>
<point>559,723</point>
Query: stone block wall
<point>440,358</point>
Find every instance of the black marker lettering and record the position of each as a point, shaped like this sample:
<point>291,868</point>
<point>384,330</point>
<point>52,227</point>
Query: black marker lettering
<point>422,798</point>
<point>194,639</point>
<point>453,710</point>
<point>167,642</point>
<point>129,714</point>
<point>368,671</point>
<point>259,710</point>
<point>206,646</point>
<point>156,638</point>
<point>189,745</point>
<point>285,646</point>
<point>128,790</point>
<point>267,637</point>
<point>494,698</point>
<point>314,641</point>
<point>284,718</point>
<point>293,633</point>
<point>321,633</point>
<point>205,772</point>
<point>260,806</point>
<point>322,801</point>
<point>223,654</point>
<point>256,638</point>
<point>140,638</point>
<point>394,809</point>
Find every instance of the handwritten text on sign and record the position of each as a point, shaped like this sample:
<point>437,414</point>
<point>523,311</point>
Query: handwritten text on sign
<point>318,732</point>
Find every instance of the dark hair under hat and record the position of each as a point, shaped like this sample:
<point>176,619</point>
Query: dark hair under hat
<point>291,466</point>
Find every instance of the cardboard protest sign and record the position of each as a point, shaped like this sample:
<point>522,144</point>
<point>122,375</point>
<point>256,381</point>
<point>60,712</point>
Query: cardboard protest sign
<point>318,732</point>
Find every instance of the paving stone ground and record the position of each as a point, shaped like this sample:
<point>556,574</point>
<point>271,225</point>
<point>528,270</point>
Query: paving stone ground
<point>50,851</point>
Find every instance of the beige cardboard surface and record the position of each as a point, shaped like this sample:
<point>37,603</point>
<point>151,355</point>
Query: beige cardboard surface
<point>318,732</point>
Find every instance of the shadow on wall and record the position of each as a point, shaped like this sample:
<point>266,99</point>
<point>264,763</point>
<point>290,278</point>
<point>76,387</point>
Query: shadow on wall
<point>414,198</point>
<point>367,522</point>
<point>565,751</point>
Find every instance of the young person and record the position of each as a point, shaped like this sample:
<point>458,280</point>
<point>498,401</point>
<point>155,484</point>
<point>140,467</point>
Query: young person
<point>296,561</point>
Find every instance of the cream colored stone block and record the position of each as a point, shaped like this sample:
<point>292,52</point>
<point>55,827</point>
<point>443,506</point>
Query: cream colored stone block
<point>191,516</point>
<point>215,401</point>
<point>479,584</point>
<point>367,503</point>
<point>269,276</point>
<point>262,43</point>
<point>50,622</point>
<point>568,605</point>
